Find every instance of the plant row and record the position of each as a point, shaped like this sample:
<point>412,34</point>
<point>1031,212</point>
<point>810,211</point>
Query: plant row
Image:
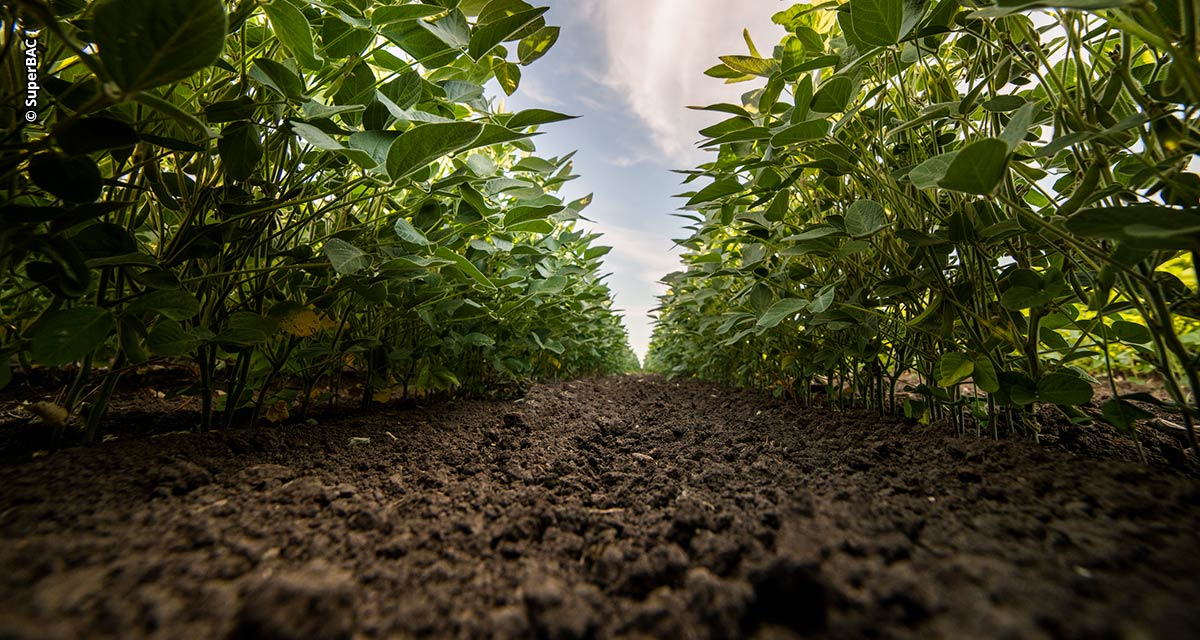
<point>980,204</point>
<point>278,194</point>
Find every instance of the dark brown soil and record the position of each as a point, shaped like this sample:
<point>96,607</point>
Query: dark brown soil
<point>627,506</point>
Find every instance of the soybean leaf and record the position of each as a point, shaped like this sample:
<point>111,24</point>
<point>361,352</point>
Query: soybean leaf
<point>984,375</point>
<point>246,329</point>
<point>535,46</point>
<point>465,266</point>
<point>147,43</point>
<point>533,117</point>
<point>508,76</point>
<point>175,304</point>
<point>978,168</point>
<point>490,35</point>
<point>833,96</point>
<point>62,337</point>
<point>780,311</point>
<point>416,148</point>
<point>716,190</point>
<point>278,77</point>
<point>1062,388</point>
<point>1123,414</point>
<point>346,258</point>
<point>865,218</point>
<point>1015,132</point>
<point>1141,226</point>
<point>390,14</point>
<point>1131,332</point>
<point>928,174</point>
<point>316,137</point>
<point>241,149</point>
<point>803,132</point>
<point>373,143</point>
<point>751,65</point>
<point>169,339</point>
<point>953,368</point>
<point>408,233</point>
<point>876,23</point>
<point>293,30</point>
<point>823,300</point>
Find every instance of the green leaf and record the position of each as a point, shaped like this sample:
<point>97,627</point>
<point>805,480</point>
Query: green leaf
<point>490,35</point>
<point>1003,104</point>
<point>65,336</point>
<point>416,148</point>
<point>833,96</point>
<point>391,14</point>
<point>174,304</point>
<point>452,29</point>
<point>462,92</point>
<point>241,150</point>
<point>1123,414</point>
<point>534,117</point>
<point>823,299</point>
<point>876,23</point>
<point>537,45</point>
<point>147,43</point>
<point>346,258</point>
<point>465,266</point>
<point>803,132</point>
<point>316,137</point>
<point>169,339</point>
<point>508,75</point>
<point>780,311</point>
<point>953,368</point>
<point>928,174</point>
<point>865,218</point>
<point>495,134</point>
<point>278,77</point>
<point>408,233</point>
<point>293,30</point>
<point>245,329</point>
<point>718,189</point>
<point>373,143</point>
<point>1132,332</point>
<point>978,168</point>
<point>1141,226</point>
<point>1062,388</point>
<point>985,376</point>
<point>521,215</point>
<point>751,65</point>
<point>71,178</point>
<point>1021,121</point>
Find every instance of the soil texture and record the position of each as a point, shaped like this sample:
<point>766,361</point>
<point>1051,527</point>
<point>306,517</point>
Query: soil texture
<point>619,507</point>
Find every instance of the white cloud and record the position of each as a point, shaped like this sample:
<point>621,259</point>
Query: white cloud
<point>643,258</point>
<point>657,52</point>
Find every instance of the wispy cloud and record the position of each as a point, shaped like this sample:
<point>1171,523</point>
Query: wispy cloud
<point>657,52</point>
<point>643,258</point>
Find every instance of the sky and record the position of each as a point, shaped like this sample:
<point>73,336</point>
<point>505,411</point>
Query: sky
<point>630,69</point>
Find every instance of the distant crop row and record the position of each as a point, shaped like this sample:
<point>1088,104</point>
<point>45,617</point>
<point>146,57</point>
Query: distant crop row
<point>277,194</point>
<point>985,204</point>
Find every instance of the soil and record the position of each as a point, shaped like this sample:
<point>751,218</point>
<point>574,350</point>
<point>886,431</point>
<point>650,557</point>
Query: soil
<point>619,507</point>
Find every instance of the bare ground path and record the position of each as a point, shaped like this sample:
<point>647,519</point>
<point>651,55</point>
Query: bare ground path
<point>627,506</point>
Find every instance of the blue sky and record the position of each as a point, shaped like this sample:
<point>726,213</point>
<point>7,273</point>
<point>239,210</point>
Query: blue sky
<point>630,68</point>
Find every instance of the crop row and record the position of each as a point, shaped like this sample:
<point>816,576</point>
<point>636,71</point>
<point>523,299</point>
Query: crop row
<point>983,205</point>
<point>277,194</point>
